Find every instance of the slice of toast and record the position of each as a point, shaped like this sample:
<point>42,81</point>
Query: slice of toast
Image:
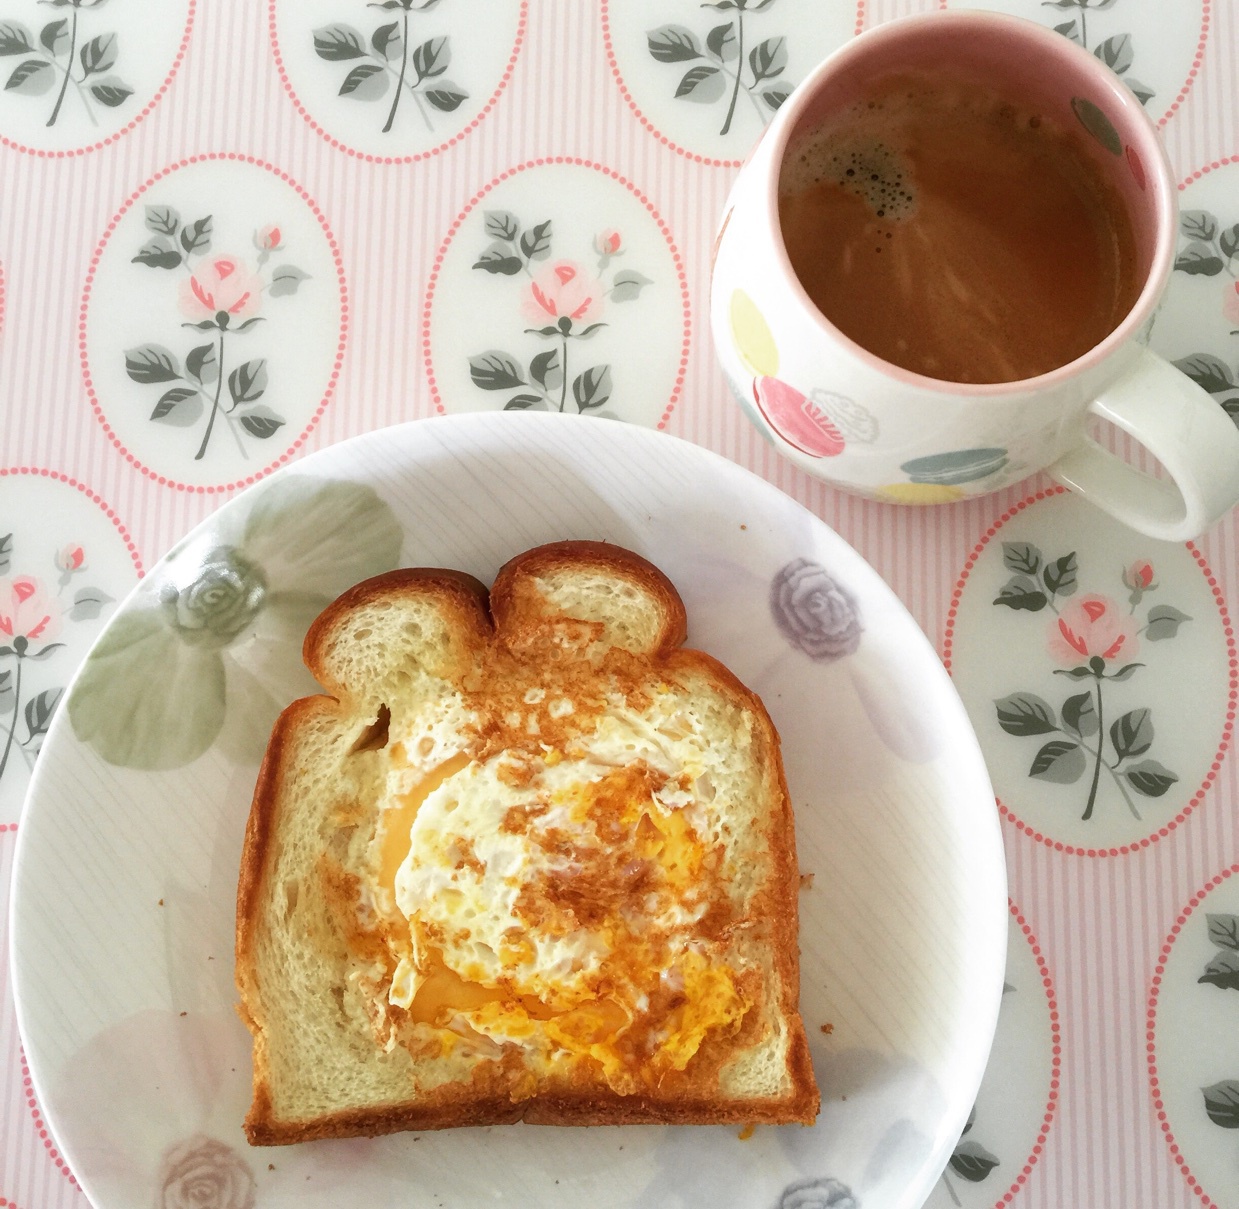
<point>529,859</point>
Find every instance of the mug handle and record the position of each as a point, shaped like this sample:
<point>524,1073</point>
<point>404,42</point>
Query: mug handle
<point>1185,429</point>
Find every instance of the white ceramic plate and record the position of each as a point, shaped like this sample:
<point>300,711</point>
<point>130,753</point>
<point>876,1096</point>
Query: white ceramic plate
<point>126,866</point>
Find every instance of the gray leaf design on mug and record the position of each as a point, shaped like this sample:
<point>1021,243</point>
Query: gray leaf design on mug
<point>814,612</point>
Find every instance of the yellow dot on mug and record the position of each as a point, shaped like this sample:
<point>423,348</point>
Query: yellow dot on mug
<point>921,493</point>
<point>754,341</point>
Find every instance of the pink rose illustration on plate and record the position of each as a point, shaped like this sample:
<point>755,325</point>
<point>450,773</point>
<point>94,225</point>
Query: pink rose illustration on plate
<point>221,285</point>
<point>561,302</point>
<point>202,1173</point>
<point>222,295</point>
<point>1092,639</point>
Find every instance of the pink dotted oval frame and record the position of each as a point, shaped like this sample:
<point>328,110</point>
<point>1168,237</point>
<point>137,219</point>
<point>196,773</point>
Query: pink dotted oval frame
<point>1232,700</point>
<point>93,496</point>
<point>68,152</point>
<point>1150,1046</point>
<point>453,230</point>
<point>369,157</point>
<point>291,452</point>
<point>1056,1059</point>
<point>617,75</point>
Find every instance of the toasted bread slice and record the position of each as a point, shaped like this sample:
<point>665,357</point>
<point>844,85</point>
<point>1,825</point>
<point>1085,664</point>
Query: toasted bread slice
<point>528,859</point>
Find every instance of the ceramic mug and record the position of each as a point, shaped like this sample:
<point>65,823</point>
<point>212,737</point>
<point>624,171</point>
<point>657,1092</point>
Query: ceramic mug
<point>873,428</point>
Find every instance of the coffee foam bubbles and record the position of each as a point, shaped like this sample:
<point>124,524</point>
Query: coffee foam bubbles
<point>853,156</point>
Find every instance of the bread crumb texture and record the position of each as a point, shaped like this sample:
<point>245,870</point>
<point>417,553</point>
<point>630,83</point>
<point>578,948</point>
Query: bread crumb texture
<point>527,858</point>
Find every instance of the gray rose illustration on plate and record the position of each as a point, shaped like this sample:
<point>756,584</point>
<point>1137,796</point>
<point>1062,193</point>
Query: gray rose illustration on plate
<point>202,1173</point>
<point>814,612</point>
<point>824,1193</point>
<point>210,650</point>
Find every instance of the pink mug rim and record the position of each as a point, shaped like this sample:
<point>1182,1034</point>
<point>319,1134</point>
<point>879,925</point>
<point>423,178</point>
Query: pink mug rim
<point>1134,125</point>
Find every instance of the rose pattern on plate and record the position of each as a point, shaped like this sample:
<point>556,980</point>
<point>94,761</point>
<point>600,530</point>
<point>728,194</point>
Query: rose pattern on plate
<point>1208,249</point>
<point>562,301</point>
<point>814,612</point>
<point>822,1193</point>
<point>1093,638</point>
<point>214,653</point>
<point>204,1173</point>
<point>32,615</point>
<point>385,61</point>
<point>223,295</point>
<point>68,50</point>
<point>723,65</point>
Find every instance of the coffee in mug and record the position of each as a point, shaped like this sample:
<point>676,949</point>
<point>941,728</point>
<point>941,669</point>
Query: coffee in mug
<point>957,232</point>
<point>1033,220</point>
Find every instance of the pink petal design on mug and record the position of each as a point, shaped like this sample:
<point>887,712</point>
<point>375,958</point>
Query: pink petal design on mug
<point>1137,168</point>
<point>798,420</point>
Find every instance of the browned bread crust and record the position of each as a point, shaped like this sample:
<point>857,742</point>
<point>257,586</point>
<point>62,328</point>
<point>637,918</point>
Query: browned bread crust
<point>515,627</point>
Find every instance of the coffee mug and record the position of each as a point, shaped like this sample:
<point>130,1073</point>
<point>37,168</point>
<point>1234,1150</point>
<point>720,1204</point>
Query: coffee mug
<point>880,429</point>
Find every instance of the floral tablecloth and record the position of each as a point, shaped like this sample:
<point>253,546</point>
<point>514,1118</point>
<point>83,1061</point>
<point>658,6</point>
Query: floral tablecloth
<point>234,231</point>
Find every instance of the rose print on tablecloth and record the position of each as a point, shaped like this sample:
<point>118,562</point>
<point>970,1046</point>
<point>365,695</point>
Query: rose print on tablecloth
<point>32,616</point>
<point>214,653</point>
<point>1116,52</point>
<point>1092,638</point>
<point>562,303</point>
<point>221,294</point>
<point>723,60</point>
<point>1221,1099</point>
<point>814,612</point>
<point>969,1160</point>
<point>1208,249</point>
<point>204,1173</point>
<point>389,61</point>
<point>72,49</point>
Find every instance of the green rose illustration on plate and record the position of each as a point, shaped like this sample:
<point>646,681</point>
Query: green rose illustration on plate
<point>210,650</point>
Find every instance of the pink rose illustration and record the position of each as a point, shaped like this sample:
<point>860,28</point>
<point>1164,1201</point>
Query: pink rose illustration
<point>1139,575</point>
<point>267,239</point>
<point>202,1173</point>
<point>27,610</point>
<point>1092,627</point>
<point>221,284</point>
<point>1230,303</point>
<point>71,558</point>
<point>563,290</point>
<point>608,242</point>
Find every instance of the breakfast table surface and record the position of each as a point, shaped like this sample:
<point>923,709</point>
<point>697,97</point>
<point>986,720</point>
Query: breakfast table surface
<point>386,200</point>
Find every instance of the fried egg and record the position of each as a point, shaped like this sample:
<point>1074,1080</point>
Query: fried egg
<point>546,881</point>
